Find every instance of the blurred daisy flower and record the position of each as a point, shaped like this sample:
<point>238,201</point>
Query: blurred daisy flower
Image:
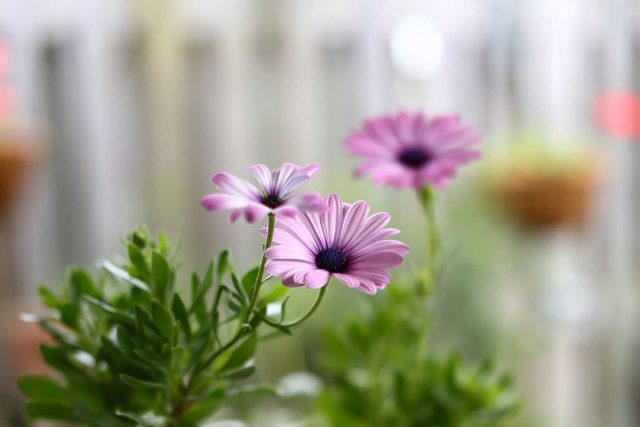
<point>342,241</point>
<point>273,196</point>
<point>411,150</point>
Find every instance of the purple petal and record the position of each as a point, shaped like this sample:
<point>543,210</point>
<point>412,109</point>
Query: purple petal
<point>262,174</point>
<point>232,185</point>
<point>317,278</point>
<point>255,212</point>
<point>218,202</point>
<point>308,202</point>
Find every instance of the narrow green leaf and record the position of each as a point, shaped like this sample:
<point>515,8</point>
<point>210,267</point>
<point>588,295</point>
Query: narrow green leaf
<point>198,349</point>
<point>43,389</point>
<point>125,342</point>
<point>137,259</point>
<point>180,313</point>
<point>224,265</point>
<point>198,304</point>
<point>240,293</point>
<point>249,280</point>
<point>233,303</point>
<point>141,384</point>
<point>70,314</point>
<point>50,411</point>
<point>48,298</point>
<point>88,395</point>
<point>81,284</point>
<point>238,374</point>
<point>148,419</point>
<point>163,243</point>
<point>160,275</point>
<point>163,320</point>
<point>60,361</point>
<point>110,310</point>
<point>242,353</point>
<point>122,276</point>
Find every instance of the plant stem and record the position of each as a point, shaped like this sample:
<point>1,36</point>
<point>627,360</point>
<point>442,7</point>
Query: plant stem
<point>312,310</point>
<point>308,314</point>
<point>256,288</point>
<point>427,196</point>
<point>181,408</point>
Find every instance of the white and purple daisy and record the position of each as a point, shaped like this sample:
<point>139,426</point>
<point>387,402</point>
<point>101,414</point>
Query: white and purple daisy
<point>343,241</point>
<point>274,195</point>
<point>410,150</point>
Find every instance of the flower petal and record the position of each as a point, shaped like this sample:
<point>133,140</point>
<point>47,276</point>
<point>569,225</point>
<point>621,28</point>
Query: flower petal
<point>218,202</point>
<point>262,174</point>
<point>255,212</point>
<point>232,185</point>
<point>317,278</point>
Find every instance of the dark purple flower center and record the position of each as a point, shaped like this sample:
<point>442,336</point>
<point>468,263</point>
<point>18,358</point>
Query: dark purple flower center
<point>271,200</point>
<point>332,260</point>
<point>414,157</point>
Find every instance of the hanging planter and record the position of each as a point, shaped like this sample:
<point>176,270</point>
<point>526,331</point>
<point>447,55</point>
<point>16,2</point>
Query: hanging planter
<point>18,150</point>
<point>545,188</point>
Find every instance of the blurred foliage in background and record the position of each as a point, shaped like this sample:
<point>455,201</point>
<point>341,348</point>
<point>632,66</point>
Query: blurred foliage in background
<point>381,371</point>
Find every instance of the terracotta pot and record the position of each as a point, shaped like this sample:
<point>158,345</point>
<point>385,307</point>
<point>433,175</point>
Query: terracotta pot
<point>17,152</point>
<point>542,199</point>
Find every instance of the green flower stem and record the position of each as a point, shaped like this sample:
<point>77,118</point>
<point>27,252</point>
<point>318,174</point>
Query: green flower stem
<point>309,313</point>
<point>256,288</point>
<point>183,406</point>
<point>312,310</point>
<point>427,197</point>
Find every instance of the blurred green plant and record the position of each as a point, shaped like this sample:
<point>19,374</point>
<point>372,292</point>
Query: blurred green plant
<point>380,371</point>
<point>129,348</point>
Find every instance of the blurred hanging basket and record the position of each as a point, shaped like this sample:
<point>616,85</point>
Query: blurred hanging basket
<point>545,188</point>
<point>18,150</point>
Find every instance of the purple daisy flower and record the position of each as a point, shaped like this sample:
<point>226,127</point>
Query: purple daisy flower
<point>274,195</point>
<point>342,241</point>
<point>409,150</point>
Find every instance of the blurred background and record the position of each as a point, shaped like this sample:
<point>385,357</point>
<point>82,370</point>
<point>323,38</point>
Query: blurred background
<point>116,112</point>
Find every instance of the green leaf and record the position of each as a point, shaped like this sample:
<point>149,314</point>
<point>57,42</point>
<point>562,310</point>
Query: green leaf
<point>48,298</point>
<point>60,361</point>
<point>89,396</point>
<point>163,243</point>
<point>238,374</point>
<point>137,259</point>
<point>70,314</point>
<point>148,419</point>
<point>242,353</point>
<point>224,265</point>
<point>180,313</point>
<point>110,311</point>
<point>141,384</point>
<point>125,342</point>
<point>249,280</point>
<point>201,288</point>
<point>163,320</point>
<point>233,303</point>
<point>43,389</point>
<point>199,346</point>
<point>241,294</point>
<point>140,237</point>
<point>205,405</point>
<point>81,284</point>
<point>160,275</point>
<point>122,276</point>
<point>252,391</point>
<point>276,294</point>
<point>50,411</point>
